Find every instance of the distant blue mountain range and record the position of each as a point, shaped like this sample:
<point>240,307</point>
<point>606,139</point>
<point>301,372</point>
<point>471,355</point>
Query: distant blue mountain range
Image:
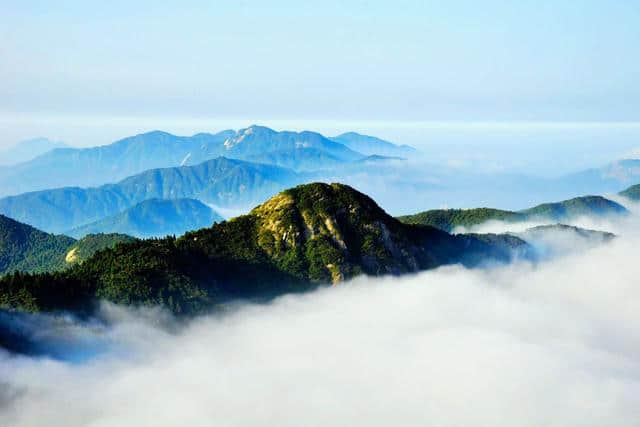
<point>85,167</point>
<point>371,145</point>
<point>607,179</point>
<point>68,188</point>
<point>154,218</point>
<point>219,182</point>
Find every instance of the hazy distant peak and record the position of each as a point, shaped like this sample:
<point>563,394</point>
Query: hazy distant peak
<point>624,170</point>
<point>259,141</point>
<point>371,145</point>
<point>245,133</point>
<point>155,136</point>
<point>154,217</point>
<point>353,136</point>
<point>28,150</point>
<point>253,130</point>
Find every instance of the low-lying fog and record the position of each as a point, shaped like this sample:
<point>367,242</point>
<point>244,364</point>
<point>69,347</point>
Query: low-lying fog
<point>552,344</point>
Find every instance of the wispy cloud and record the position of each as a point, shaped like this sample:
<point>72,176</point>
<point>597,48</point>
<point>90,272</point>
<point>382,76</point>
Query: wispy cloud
<point>554,344</point>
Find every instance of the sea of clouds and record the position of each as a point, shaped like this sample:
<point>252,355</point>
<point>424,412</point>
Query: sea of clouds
<point>554,343</point>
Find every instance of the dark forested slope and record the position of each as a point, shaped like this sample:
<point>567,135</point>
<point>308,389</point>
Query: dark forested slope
<point>303,237</point>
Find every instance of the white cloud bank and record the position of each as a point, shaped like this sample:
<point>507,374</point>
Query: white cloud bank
<point>550,345</point>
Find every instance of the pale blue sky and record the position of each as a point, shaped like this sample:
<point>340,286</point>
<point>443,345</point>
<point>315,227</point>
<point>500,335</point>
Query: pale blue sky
<point>356,60</point>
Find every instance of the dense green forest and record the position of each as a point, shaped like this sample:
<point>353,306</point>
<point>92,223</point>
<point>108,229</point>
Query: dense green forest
<point>27,249</point>
<point>449,219</point>
<point>84,248</point>
<point>576,207</point>
<point>304,237</point>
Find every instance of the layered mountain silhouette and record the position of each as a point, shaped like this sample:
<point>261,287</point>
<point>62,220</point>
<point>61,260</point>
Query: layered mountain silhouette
<point>154,218</point>
<point>100,165</point>
<point>132,155</point>
<point>219,182</point>
<point>607,179</point>
<point>371,145</point>
<point>258,140</point>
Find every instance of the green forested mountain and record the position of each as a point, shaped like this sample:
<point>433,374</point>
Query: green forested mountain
<point>154,218</point>
<point>88,245</point>
<point>25,248</point>
<point>306,236</point>
<point>449,219</point>
<point>220,182</point>
<point>576,207</point>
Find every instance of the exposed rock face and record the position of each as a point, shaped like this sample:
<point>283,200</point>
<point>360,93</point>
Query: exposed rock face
<point>337,232</point>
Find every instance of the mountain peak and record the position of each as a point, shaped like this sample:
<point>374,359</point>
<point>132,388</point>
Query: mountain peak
<point>320,200</point>
<point>576,207</point>
<point>255,130</point>
<point>243,134</point>
<point>154,217</point>
<point>335,230</point>
<point>371,145</point>
<point>259,140</point>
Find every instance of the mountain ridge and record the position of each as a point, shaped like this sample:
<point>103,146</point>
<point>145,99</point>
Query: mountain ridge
<point>449,219</point>
<point>221,182</point>
<point>306,236</point>
<point>371,145</point>
<point>28,150</point>
<point>154,218</point>
<point>27,249</point>
<point>95,166</point>
<point>102,164</point>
